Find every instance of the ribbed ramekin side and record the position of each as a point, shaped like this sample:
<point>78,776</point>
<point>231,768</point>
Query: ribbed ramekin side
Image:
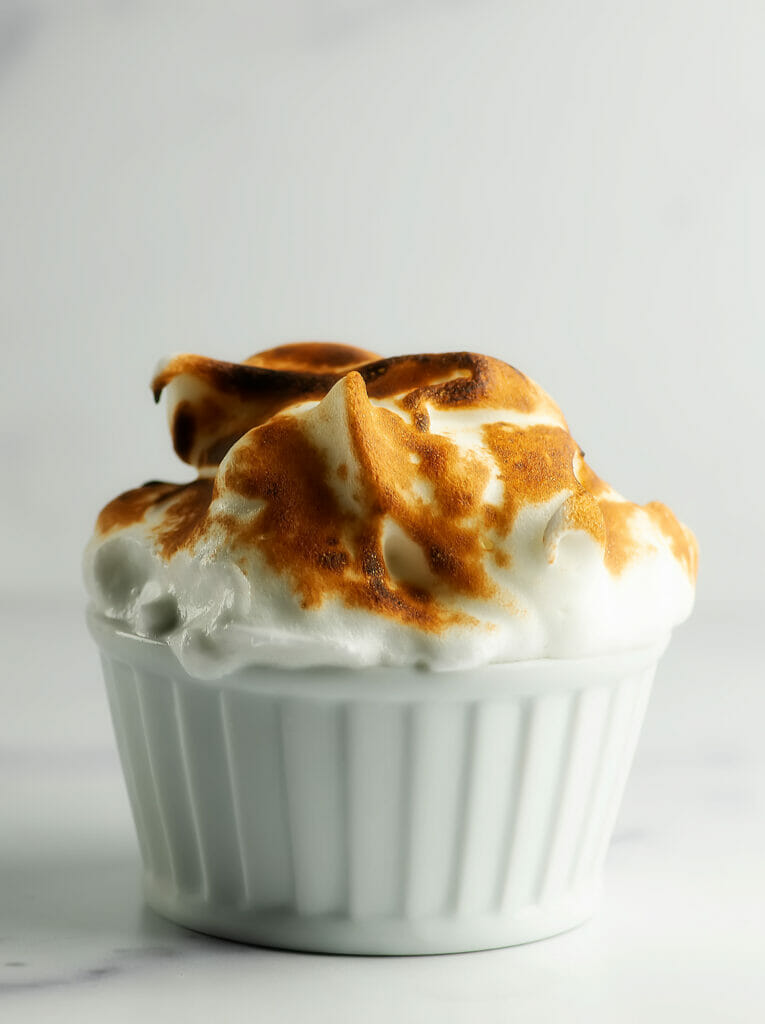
<point>405,814</point>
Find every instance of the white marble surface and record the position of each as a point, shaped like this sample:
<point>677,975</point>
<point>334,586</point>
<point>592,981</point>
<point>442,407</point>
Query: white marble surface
<point>680,937</point>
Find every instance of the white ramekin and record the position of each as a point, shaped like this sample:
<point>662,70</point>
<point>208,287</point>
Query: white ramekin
<point>374,811</point>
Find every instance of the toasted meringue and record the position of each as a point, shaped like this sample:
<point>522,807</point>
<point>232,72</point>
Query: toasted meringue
<point>357,511</point>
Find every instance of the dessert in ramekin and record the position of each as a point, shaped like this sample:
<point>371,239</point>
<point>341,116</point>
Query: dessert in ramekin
<point>378,673</point>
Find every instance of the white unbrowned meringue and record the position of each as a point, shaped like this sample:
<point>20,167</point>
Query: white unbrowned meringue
<point>353,510</point>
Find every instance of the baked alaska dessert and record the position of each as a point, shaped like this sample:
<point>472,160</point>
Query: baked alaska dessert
<point>377,673</point>
<point>351,510</point>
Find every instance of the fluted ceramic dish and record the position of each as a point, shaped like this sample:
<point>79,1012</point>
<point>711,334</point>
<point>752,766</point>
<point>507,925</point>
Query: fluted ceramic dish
<point>380,810</point>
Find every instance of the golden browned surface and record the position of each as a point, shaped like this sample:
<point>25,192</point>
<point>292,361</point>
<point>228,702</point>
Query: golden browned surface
<point>591,481</point>
<point>581,511</point>
<point>131,506</point>
<point>681,541</point>
<point>622,545</point>
<point>232,398</point>
<point>183,517</point>
<point>399,475</point>
<point>313,357</point>
<point>443,528</point>
<point>304,533</point>
<point>184,509</point>
<point>535,464</point>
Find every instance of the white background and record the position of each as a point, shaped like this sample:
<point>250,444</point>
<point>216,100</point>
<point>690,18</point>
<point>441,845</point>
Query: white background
<point>575,187</point>
<point>578,188</point>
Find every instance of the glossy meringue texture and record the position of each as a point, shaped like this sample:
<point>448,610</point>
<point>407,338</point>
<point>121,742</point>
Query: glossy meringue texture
<point>350,510</point>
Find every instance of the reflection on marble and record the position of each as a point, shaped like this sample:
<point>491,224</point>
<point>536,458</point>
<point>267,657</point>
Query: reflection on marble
<point>80,917</point>
<point>681,925</point>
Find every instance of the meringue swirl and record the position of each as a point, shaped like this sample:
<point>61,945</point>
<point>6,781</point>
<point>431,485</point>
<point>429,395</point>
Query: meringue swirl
<point>353,510</point>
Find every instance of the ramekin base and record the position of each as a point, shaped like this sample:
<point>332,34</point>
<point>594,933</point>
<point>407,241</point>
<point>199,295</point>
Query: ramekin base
<point>374,937</point>
<point>378,811</point>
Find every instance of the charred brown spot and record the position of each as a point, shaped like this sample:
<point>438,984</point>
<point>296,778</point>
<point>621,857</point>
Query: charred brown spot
<point>442,561</point>
<point>335,561</point>
<point>372,564</point>
<point>313,356</point>
<point>184,430</point>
